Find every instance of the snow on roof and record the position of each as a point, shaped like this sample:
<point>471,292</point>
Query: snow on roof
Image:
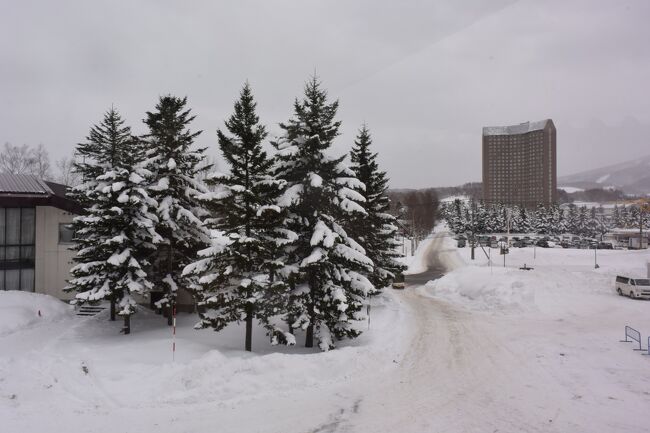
<point>23,184</point>
<point>522,128</point>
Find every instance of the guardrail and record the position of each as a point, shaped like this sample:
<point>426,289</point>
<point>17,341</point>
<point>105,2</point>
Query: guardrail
<point>634,335</point>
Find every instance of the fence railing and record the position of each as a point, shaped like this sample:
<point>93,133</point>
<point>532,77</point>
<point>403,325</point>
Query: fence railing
<point>632,335</point>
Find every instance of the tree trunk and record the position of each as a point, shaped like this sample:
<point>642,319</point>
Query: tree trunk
<point>113,308</point>
<point>127,324</point>
<point>309,337</point>
<point>171,298</point>
<point>249,327</point>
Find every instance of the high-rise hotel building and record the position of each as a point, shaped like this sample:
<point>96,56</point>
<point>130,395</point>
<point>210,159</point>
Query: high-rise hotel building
<point>519,164</point>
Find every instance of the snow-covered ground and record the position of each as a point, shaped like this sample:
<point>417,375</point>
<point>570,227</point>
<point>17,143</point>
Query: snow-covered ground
<point>482,349</point>
<point>64,373</point>
<point>552,335</point>
<point>570,189</point>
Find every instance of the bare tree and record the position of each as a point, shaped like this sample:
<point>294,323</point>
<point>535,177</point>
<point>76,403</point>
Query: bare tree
<point>16,159</point>
<point>25,160</point>
<point>41,165</point>
<point>66,173</point>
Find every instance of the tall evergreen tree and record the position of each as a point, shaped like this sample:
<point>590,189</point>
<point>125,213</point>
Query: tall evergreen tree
<point>616,217</point>
<point>525,220</point>
<point>237,275</point>
<point>115,235</point>
<point>375,230</point>
<point>572,223</point>
<point>174,163</point>
<point>328,286</point>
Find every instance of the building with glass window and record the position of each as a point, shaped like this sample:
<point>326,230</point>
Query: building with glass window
<point>35,235</point>
<point>520,164</point>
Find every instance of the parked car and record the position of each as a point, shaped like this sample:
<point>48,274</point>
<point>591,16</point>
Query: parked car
<point>398,282</point>
<point>543,243</point>
<point>633,287</point>
<point>605,246</point>
<point>565,244</point>
<point>518,244</point>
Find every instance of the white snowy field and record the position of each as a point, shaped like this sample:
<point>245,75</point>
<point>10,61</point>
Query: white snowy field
<point>551,335</point>
<point>479,350</point>
<point>64,373</point>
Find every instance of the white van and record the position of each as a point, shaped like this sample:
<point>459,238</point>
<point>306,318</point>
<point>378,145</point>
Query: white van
<point>633,287</point>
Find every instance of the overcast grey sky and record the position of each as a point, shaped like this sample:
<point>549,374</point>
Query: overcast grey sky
<point>424,75</point>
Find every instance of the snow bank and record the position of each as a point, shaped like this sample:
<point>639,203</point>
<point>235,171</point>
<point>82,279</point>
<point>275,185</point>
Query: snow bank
<point>19,310</point>
<point>417,263</point>
<point>73,367</point>
<point>557,273</point>
<point>503,289</point>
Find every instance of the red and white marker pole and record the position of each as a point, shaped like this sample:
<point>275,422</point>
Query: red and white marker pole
<point>174,333</point>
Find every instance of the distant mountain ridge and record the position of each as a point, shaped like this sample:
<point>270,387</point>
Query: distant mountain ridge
<point>632,177</point>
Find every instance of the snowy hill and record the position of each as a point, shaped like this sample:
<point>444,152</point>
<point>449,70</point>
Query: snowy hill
<point>632,177</point>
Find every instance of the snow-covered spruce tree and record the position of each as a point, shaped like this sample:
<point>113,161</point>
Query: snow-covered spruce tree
<point>457,221</point>
<point>237,275</point>
<point>328,286</point>
<point>624,217</point>
<point>375,230</point>
<point>582,221</point>
<point>115,235</point>
<point>571,220</point>
<point>174,163</point>
<point>616,217</point>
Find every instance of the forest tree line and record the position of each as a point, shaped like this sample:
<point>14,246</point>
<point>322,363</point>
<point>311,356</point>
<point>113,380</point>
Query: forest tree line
<point>477,217</point>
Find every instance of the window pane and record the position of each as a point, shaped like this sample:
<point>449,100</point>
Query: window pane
<point>66,233</point>
<point>27,279</point>
<point>27,253</point>
<point>12,278</point>
<point>28,226</point>
<point>2,226</point>
<point>13,253</point>
<point>13,226</point>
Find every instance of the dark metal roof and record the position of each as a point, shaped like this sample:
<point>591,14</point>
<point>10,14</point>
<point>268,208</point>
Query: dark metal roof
<point>23,184</point>
<point>21,190</point>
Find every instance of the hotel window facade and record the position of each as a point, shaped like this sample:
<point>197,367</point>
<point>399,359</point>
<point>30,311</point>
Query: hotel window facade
<point>519,164</point>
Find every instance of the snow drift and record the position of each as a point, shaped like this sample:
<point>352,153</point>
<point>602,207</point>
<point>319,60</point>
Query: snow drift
<point>19,310</point>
